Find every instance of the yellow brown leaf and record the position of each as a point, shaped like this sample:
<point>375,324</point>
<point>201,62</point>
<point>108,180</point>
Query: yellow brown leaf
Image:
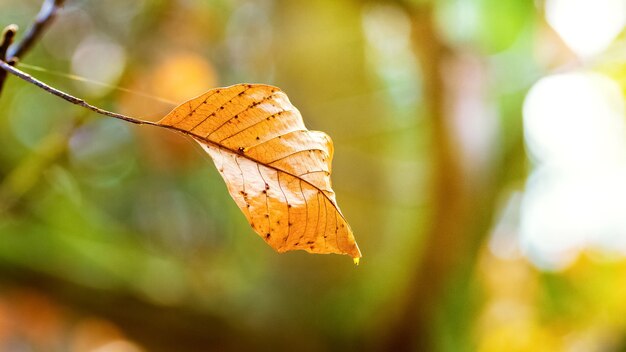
<point>276,170</point>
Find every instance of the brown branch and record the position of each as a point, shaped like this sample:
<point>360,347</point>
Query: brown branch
<point>462,203</point>
<point>11,53</point>
<point>72,99</point>
<point>444,243</point>
<point>46,15</point>
<point>7,39</point>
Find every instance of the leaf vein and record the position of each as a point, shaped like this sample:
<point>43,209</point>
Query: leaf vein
<point>306,207</point>
<point>294,153</point>
<point>288,210</point>
<point>254,104</point>
<point>264,120</point>
<point>267,204</point>
<point>217,109</point>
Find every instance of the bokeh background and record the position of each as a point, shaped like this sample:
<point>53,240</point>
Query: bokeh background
<point>480,159</point>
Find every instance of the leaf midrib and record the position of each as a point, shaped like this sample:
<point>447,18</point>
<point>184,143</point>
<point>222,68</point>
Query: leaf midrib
<point>216,144</point>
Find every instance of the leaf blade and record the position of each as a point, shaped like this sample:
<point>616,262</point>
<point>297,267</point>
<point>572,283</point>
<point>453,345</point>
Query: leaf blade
<point>276,170</point>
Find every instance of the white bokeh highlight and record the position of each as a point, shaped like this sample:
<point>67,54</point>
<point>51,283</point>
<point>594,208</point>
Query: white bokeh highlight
<point>587,26</point>
<point>98,59</point>
<point>576,195</point>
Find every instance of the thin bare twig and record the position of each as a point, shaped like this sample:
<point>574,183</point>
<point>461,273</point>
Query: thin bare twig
<point>7,39</point>
<point>72,99</point>
<point>46,15</point>
<point>11,53</point>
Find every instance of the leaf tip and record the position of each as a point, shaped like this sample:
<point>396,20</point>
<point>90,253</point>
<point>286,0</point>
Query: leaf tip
<point>356,261</point>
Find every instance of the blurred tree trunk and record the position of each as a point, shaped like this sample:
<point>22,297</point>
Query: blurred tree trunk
<point>461,205</point>
<point>413,330</point>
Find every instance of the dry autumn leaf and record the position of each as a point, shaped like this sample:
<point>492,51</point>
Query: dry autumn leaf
<point>276,170</point>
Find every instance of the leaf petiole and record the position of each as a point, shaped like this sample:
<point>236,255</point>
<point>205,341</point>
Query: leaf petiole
<point>70,98</point>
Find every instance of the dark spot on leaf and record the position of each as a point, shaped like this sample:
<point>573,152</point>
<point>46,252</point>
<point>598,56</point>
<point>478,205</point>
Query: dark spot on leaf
<point>264,191</point>
<point>257,138</point>
<point>267,235</point>
<point>241,150</point>
<point>267,215</point>
<point>310,242</point>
